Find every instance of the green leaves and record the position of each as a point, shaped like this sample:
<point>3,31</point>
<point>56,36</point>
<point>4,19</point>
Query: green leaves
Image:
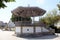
<point>51,17</point>
<point>14,18</point>
<point>2,5</point>
<point>50,20</point>
<point>58,6</point>
<point>9,0</point>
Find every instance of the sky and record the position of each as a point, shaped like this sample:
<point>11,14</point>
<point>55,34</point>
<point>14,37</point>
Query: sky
<point>5,14</point>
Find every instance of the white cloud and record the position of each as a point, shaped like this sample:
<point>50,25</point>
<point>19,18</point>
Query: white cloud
<point>41,1</point>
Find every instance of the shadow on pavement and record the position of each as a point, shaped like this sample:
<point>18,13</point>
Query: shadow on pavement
<point>41,37</point>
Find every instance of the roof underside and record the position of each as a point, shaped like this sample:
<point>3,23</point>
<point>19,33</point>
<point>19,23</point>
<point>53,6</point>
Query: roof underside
<point>28,11</point>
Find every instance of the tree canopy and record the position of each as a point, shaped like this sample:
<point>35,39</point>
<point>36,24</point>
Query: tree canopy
<point>2,5</point>
<point>14,18</point>
<point>58,6</point>
<point>51,18</point>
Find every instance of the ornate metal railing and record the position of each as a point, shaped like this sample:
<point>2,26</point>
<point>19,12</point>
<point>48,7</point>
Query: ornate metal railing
<point>23,23</point>
<point>28,23</point>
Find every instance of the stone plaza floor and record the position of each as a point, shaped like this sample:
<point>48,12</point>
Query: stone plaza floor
<point>9,35</point>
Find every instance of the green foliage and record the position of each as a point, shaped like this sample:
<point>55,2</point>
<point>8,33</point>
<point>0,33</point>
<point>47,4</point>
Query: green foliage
<point>2,5</point>
<point>58,6</point>
<point>14,18</point>
<point>51,18</point>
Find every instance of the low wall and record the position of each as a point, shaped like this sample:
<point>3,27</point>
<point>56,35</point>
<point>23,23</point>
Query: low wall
<point>30,29</point>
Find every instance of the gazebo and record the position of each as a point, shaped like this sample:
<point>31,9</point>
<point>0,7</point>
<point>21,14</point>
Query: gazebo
<point>26,28</point>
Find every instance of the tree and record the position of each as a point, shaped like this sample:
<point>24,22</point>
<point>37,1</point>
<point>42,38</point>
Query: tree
<point>51,18</point>
<point>58,6</point>
<point>2,5</point>
<point>14,18</point>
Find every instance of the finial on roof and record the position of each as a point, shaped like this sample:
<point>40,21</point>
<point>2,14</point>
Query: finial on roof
<point>28,5</point>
